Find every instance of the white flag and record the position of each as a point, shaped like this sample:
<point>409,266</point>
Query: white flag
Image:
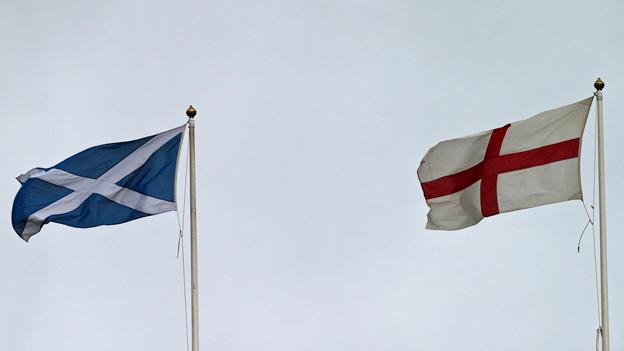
<point>524,164</point>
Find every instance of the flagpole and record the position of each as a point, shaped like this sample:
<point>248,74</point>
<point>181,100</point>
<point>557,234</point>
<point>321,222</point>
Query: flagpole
<point>604,287</point>
<point>191,112</point>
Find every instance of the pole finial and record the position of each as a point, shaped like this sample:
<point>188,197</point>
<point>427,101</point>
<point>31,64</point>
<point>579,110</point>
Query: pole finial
<point>599,84</point>
<point>191,111</point>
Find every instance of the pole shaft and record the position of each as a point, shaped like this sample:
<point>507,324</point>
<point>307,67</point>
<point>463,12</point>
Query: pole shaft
<point>194,296</point>
<point>604,286</point>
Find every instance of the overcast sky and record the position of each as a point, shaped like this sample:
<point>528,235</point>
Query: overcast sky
<point>312,119</point>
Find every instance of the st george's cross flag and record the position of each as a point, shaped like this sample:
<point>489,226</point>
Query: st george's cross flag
<point>103,185</point>
<point>524,164</point>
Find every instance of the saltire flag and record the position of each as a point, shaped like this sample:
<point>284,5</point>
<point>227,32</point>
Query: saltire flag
<point>524,164</point>
<point>103,185</point>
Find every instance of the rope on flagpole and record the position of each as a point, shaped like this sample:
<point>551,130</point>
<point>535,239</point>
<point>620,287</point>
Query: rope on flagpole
<point>591,219</point>
<point>593,207</point>
<point>181,222</point>
<point>598,339</point>
<point>578,246</point>
<point>181,247</point>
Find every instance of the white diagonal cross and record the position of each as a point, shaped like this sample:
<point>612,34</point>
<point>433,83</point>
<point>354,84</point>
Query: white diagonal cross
<point>83,187</point>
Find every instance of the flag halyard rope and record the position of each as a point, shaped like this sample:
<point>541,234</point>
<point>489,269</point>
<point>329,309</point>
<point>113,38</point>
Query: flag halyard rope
<point>591,220</point>
<point>593,206</point>
<point>180,249</point>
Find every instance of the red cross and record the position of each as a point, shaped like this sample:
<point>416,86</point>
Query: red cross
<point>494,164</point>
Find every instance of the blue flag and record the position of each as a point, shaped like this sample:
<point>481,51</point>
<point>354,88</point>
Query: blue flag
<point>102,185</point>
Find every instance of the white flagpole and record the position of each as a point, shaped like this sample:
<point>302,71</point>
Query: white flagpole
<point>191,112</point>
<point>604,287</point>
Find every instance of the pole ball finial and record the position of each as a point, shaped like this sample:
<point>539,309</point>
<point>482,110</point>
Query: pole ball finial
<point>599,84</point>
<point>191,111</point>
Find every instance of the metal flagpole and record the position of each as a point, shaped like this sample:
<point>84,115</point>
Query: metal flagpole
<point>604,288</point>
<point>191,112</point>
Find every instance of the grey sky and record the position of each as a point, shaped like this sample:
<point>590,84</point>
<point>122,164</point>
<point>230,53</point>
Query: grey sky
<point>312,120</point>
